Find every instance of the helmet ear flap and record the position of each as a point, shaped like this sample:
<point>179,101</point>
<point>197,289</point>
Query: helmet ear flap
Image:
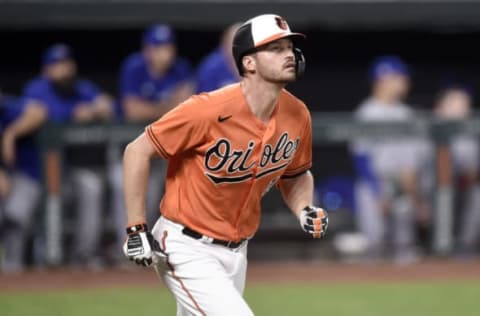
<point>239,64</point>
<point>299,62</point>
<point>242,43</point>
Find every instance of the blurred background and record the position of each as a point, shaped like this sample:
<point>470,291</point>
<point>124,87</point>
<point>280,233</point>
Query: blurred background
<point>392,87</point>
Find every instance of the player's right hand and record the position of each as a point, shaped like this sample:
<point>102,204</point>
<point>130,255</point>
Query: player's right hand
<point>314,221</point>
<point>140,246</point>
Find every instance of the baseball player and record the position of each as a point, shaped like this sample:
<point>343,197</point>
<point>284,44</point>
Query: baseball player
<point>19,119</point>
<point>4,177</point>
<point>454,103</point>
<point>69,98</point>
<point>388,187</point>
<point>155,79</point>
<point>225,149</point>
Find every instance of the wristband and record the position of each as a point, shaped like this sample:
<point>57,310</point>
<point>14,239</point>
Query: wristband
<point>136,228</point>
<point>308,208</point>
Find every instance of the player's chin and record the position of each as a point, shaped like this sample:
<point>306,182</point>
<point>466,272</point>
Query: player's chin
<point>286,77</point>
<point>290,74</point>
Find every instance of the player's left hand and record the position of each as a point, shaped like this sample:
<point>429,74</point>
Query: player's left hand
<point>314,221</point>
<point>140,246</point>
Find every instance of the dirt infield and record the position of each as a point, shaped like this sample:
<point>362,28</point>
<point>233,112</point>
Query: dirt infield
<point>268,272</point>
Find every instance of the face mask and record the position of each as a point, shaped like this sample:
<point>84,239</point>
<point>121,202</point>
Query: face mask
<point>66,87</point>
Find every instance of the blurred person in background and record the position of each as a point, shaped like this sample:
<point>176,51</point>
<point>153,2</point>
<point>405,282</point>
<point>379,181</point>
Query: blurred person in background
<point>218,68</point>
<point>4,187</point>
<point>454,103</point>
<point>387,193</point>
<point>4,177</point>
<point>69,98</point>
<point>20,183</point>
<point>152,82</point>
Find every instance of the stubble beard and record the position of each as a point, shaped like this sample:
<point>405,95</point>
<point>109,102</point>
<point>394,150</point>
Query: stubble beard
<point>281,78</point>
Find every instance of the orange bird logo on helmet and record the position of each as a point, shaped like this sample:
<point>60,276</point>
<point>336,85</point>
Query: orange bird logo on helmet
<point>281,23</point>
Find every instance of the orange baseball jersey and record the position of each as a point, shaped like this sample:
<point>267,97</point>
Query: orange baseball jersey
<point>223,159</point>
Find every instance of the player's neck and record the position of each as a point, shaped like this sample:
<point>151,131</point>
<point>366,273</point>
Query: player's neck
<point>261,97</point>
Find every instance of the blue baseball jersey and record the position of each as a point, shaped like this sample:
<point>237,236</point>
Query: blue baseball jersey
<point>215,72</point>
<point>60,108</point>
<point>136,80</point>
<point>27,154</point>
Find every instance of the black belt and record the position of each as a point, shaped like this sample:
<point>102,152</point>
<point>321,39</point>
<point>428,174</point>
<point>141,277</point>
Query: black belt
<point>196,235</point>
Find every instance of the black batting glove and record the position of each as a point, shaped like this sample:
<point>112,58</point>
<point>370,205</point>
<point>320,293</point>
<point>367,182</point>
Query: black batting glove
<point>140,246</point>
<point>314,221</point>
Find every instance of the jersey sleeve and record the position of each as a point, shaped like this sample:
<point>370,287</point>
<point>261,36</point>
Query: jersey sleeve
<point>302,161</point>
<point>179,130</point>
<point>12,108</point>
<point>88,91</point>
<point>130,78</point>
<point>34,90</point>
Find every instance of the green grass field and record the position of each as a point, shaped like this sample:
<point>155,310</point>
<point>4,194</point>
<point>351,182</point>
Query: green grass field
<point>405,299</point>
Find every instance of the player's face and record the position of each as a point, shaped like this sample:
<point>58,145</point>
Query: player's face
<point>160,57</point>
<point>61,70</point>
<point>275,62</point>
<point>455,104</point>
<point>396,85</point>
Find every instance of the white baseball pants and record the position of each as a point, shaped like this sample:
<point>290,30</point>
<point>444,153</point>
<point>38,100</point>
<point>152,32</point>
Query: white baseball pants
<point>205,279</point>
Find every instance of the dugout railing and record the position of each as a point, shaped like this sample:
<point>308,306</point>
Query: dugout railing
<point>327,129</point>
